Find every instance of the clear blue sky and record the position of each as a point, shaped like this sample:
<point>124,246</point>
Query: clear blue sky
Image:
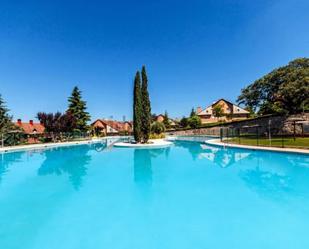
<point>195,51</point>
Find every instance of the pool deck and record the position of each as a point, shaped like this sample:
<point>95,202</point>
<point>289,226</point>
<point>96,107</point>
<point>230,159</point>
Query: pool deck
<point>155,143</point>
<point>50,145</point>
<point>217,142</point>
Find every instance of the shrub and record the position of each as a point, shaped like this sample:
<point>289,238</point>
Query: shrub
<point>157,128</point>
<point>184,122</point>
<point>194,122</point>
<point>157,136</point>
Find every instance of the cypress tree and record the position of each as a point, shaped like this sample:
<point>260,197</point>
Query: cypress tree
<point>146,113</point>
<point>193,113</point>
<point>137,108</point>
<point>77,108</point>
<point>166,120</point>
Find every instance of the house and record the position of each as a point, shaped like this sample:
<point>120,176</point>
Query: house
<point>111,127</point>
<point>32,130</point>
<point>160,118</point>
<point>230,112</point>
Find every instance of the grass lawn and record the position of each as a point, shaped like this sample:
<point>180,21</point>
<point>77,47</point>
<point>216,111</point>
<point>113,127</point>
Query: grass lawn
<point>300,142</point>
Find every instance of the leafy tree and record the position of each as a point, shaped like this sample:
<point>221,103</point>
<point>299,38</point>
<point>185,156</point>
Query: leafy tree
<point>194,122</point>
<point>137,108</point>
<point>146,108</point>
<point>166,120</point>
<point>184,122</point>
<point>157,128</point>
<point>6,125</point>
<point>77,108</point>
<point>5,119</point>
<point>57,122</point>
<point>193,113</point>
<point>153,117</point>
<point>218,111</point>
<point>284,90</point>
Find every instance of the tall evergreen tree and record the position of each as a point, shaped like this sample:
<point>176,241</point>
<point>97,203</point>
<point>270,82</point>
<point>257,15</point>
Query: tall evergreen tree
<point>193,113</point>
<point>5,118</point>
<point>137,108</point>
<point>166,120</point>
<point>146,113</point>
<point>77,108</point>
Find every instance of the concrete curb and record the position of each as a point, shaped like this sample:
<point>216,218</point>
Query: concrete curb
<point>50,145</point>
<point>156,143</point>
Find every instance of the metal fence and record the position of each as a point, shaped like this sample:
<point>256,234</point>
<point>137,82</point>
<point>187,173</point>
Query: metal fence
<point>270,136</point>
<point>19,138</point>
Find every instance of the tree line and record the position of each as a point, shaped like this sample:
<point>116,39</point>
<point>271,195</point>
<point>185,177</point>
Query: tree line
<point>74,119</point>
<point>284,90</point>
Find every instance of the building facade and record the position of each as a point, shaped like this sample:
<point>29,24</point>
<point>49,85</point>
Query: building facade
<point>111,127</point>
<point>229,112</point>
<point>31,129</point>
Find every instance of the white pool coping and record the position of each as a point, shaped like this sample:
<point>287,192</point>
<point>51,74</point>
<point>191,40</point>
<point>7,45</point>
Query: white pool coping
<point>217,142</point>
<point>50,145</point>
<point>154,143</point>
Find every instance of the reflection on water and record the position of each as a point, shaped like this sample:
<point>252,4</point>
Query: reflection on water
<point>275,176</point>
<point>267,184</point>
<point>64,160</point>
<point>278,176</point>
<point>193,147</point>
<point>7,159</point>
<point>143,165</point>
<point>223,157</point>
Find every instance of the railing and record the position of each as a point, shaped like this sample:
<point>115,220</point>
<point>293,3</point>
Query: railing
<point>269,136</point>
<point>17,138</point>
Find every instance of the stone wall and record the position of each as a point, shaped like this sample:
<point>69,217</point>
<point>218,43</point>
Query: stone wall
<point>276,124</point>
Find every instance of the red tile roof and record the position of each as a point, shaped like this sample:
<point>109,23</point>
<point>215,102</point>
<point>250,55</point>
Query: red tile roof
<point>31,128</point>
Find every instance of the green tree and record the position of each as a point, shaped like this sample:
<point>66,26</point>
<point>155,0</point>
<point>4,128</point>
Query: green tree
<point>184,122</point>
<point>193,113</point>
<point>57,122</point>
<point>166,120</point>
<point>157,128</point>
<point>146,108</point>
<point>137,109</point>
<point>284,90</point>
<point>218,111</point>
<point>6,123</point>
<point>194,122</point>
<point>77,108</point>
<point>5,118</point>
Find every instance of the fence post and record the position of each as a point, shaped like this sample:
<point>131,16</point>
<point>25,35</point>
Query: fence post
<point>257,136</point>
<point>221,134</point>
<point>282,140</point>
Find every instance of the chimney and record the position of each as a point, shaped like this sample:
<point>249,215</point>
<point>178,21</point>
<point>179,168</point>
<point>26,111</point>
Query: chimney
<point>19,121</point>
<point>31,122</point>
<point>198,110</point>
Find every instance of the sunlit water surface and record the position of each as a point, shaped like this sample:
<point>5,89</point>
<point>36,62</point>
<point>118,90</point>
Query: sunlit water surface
<point>186,196</point>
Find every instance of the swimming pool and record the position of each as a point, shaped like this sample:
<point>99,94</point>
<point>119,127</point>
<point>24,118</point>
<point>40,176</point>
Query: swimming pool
<point>186,196</point>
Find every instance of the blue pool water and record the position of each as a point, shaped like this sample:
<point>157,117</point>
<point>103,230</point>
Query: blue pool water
<point>186,196</point>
